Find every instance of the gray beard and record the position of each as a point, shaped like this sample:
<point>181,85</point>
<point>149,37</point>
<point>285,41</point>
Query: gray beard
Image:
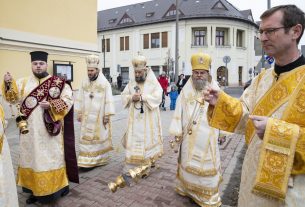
<point>199,85</point>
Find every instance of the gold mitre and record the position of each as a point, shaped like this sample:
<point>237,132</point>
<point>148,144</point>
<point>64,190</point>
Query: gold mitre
<point>92,61</point>
<point>201,61</point>
<point>139,62</point>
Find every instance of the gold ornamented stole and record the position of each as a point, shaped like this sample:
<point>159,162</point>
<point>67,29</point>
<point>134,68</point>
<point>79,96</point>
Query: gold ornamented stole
<point>278,149</point>
<point>50,89</point>
<point>275,97</point>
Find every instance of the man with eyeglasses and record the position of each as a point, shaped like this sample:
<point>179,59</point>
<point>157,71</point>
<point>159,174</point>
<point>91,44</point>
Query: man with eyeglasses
<point>199,173</point>
<point>271,114</point>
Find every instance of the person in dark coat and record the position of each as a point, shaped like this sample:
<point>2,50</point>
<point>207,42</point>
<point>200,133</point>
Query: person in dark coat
<point>181,82</point>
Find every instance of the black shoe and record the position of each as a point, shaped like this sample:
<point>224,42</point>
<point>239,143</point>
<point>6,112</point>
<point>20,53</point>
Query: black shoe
<point>31,199</point>
<point>85,169</point>
<point>66,192</point>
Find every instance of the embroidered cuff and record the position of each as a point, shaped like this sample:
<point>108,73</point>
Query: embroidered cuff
<point>226,114</point>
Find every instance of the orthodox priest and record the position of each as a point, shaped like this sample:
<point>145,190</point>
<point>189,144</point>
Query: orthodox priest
<point>8,191</point>
<point>142,97</point>
<point>95,108</point>
<point>47,153</point>
<point>271,114</point>
<point>199,173</point>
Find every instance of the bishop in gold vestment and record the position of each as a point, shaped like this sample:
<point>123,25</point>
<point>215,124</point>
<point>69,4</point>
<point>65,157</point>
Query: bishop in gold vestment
<point>199,172</point>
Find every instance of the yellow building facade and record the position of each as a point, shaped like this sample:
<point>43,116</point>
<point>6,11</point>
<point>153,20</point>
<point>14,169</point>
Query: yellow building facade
<point>65,29</point>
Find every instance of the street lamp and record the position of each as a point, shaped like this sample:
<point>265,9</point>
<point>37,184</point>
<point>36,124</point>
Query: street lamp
<point>263,52</point>
<point>177,41</point>
<point>104,50</point>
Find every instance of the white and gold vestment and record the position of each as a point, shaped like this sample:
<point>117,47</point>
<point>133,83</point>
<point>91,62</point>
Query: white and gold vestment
<point>94,102</point>
<point>143,137</point>
<point>199,172</point>
<point>8,191</point>
<point>273,169</point>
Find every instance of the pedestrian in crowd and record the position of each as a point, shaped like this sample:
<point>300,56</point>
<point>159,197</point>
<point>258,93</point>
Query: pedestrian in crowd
<point>164,84</point>
<point>181,82</point>
<point>94,107</point>
<point>119,81</point>
<point>47,152</point>
<point>271,114</point>
<point>199,173</point>
<point>8,190</point>
<point>142,97</point>
<point>173,94</point>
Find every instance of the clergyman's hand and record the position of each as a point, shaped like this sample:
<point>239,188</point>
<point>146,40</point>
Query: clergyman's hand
<point>44,104</point>
<point>260,123</point>
<point>136,97</point>
<point>7,77</point>
<point>211,96</point>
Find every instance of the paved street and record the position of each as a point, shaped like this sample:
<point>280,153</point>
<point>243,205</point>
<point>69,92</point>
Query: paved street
<point>157,189</point>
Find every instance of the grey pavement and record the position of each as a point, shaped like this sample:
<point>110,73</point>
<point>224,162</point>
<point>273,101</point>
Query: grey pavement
<point>155,190</point>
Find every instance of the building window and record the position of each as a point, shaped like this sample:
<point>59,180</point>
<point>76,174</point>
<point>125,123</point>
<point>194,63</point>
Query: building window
<point>145,41</point>
<point>219,5</point>
<point>124,43</point>
<point>155,40</point>
<point>199,36</point>
<point>106,45</point>
<point>150,14</point>
<point>164,39</point>
<point>121,43</point>
<point>126,19</point>
<point>240,38</point>
<point>171,12</point>
<point>222,37</point>
<point>127,43</point>
<point>111,21</point>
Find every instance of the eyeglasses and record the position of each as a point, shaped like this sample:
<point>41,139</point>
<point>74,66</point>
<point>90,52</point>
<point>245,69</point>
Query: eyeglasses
<point>270,31</point>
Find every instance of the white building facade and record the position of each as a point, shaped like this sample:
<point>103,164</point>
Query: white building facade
<point>219,29</point>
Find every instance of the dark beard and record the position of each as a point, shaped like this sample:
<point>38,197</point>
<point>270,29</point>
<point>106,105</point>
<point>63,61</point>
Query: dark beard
<point>140,79</point>
<point>41,75</point>
<point>94,77</point>
<point>199,85</point>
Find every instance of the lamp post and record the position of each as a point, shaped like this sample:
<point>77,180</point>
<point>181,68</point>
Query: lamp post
<point>263,52</point>
<point>177,41</point>
<point>104,50</point>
